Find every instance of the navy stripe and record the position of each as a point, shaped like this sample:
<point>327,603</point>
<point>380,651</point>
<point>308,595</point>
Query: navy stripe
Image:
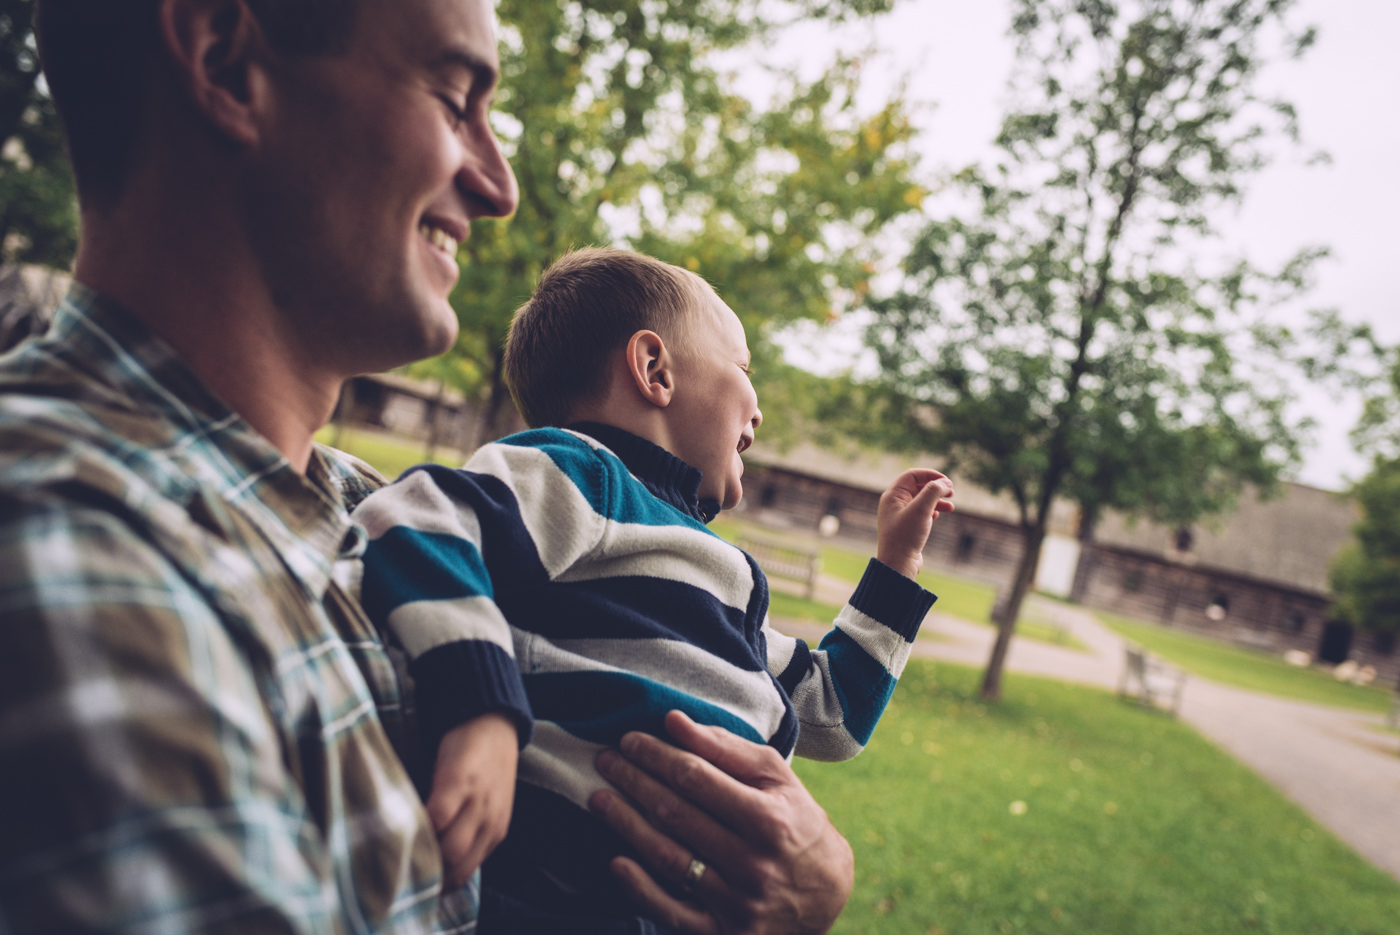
<point>862,684</point>
<point>638,608</point>
<point>797,668</point>
<point>894,600</point>
<point>757,612</point>
<point>405,565</point>
<point>459,681</point>
<point>602,706</point>
<point>785,737</point>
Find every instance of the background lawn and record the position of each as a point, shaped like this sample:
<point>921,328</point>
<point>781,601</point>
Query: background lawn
<point>390,455</point>
<point>1247,668</point>
<point>1062,810</point>
<point>957,597</point>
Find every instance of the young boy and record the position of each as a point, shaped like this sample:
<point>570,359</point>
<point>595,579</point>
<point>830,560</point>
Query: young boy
<point>562,589</point>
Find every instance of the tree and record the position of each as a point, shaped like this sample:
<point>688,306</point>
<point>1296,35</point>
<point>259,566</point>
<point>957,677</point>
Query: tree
<point>1067,339</point>
<point>38,203</point>
<point>1365,575</point>
<point>622,129</point>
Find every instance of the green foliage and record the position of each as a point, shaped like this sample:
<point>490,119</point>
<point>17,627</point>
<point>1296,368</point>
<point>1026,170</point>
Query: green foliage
<point>1059,338</point>
<point>1247,668</point>
<point>38,204</point>
<point>1131,822</point>
<point>1365,575</point>
<point>618,127</point>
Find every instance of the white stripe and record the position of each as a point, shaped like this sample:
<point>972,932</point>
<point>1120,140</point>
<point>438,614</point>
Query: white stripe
<point>562,763</point>
<point>674,553</point>
<point>426,625</point>
<point>750,696</point>
<point>560,521</point>
<point>879,642</point>
<point>418,503</point>
<point>781,648</point>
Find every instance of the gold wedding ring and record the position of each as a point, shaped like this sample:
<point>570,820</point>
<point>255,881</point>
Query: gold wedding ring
<point>693,873</point>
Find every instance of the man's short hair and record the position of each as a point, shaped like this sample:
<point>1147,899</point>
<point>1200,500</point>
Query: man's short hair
<point>585,308</point>
<point>95,55</point>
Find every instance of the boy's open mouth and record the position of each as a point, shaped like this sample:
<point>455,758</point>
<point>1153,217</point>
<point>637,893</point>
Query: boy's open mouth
<point>744,442</point>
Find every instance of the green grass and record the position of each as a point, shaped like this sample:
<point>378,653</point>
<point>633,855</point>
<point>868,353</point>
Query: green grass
<point>792,607</point>
<point>387,454</point>
<point>957,597</point>
<point>1247,668</point>
<point>1131,823</point>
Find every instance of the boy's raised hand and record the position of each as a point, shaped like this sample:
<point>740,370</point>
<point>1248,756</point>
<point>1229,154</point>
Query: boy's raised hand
<point>905,517</point>
<point>473,791</point>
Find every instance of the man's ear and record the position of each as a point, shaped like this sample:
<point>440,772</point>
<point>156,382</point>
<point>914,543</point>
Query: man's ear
<point>651,367</point>
<point>217,48</point>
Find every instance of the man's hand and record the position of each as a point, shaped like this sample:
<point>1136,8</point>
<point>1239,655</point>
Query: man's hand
<point>773,863</point>
<point>473,791</point>
<point>905,517</point>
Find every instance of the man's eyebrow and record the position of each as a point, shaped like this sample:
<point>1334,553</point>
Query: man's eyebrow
<point>484,74</point>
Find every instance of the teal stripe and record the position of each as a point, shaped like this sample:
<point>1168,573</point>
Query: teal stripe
<point>862,684</point>
<point>589,469</point>
<point>602,706</point>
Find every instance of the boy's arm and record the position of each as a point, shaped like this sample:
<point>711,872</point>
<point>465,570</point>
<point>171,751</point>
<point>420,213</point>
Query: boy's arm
<point>426,582</point>
<point>840,689</point>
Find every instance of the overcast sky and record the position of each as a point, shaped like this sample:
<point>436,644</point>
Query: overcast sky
<point>956,58</point>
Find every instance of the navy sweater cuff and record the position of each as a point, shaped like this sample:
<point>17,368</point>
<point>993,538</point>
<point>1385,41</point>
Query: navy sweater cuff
<point>892,599</point>
<point>460,681</point>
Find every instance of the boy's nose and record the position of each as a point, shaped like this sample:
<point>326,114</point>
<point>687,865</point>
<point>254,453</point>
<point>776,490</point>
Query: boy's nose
<point>757,417</point>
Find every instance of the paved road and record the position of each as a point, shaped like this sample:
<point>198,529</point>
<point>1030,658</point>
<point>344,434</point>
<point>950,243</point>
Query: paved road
<point>1341,766</point>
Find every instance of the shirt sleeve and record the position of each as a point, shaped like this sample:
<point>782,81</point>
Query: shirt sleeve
<point>840,689</point>
<point>445,543</point>
<point>144,786</point>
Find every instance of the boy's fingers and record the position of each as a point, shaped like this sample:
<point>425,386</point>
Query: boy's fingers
<point>935,490</point>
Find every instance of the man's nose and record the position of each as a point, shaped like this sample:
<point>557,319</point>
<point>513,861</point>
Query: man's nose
<point>487,181</point>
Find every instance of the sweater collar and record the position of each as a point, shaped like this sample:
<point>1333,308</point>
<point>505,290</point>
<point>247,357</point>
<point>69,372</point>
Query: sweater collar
<point>666,476</point>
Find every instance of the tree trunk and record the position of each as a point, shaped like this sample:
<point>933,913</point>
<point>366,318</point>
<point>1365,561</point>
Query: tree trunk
<point>1009,610</point>
<point>489,429</point>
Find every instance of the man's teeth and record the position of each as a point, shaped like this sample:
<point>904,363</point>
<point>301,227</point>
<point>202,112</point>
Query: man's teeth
<point>439,238</point>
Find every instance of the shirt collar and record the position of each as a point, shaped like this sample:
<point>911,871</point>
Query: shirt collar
<point>208,448</point>
<point>666,476</point>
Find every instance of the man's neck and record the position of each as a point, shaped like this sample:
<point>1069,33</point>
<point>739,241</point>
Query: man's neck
<point>200,294</point>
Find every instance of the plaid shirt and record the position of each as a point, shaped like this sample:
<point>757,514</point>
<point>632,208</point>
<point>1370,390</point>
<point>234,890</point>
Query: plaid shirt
<point>195,718</point>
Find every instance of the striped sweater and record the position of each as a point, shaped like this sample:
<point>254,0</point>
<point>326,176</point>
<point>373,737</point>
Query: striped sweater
<point>567,579</point>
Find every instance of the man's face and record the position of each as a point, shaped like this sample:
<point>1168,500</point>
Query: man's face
<point>714,410</point>
<point>373,164</point>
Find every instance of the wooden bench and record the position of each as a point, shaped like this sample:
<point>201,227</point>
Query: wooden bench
<point>782,560</point>
<point>1153,682</point>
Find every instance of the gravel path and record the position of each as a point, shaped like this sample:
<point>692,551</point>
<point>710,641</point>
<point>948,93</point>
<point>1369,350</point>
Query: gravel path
<point>1341,766</point>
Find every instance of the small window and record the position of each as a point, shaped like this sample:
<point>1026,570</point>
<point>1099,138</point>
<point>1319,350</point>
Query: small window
<point>1296,622</point>
<point>769,495</point>
<point>966,543</point>
<point>1132,581</point>
<point>1184,540</point>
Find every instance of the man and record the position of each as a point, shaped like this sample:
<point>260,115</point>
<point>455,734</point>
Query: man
<point>197,724</point>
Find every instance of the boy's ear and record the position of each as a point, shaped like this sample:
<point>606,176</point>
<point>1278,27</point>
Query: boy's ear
<point>218,50</point>
<point>650,365</point>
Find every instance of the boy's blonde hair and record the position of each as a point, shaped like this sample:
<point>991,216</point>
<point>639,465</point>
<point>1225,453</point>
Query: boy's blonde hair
<point>587,305</point>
